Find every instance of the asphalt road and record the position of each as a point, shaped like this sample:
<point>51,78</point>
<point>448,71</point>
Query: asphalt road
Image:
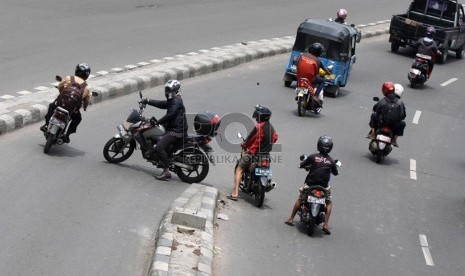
<point>380,210</point>
<point>42,39</point>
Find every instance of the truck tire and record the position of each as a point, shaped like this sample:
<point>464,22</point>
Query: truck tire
<point>460,53</point>
<point>395,46</point>
<point>443,58</point>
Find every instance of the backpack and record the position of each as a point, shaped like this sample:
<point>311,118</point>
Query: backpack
<point>70,97</point>
<point>392,112</point>
<point>307,68</point>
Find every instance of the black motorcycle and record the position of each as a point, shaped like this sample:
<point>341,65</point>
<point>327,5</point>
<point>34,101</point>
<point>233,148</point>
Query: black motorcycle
<point>312,211</point>
<point>189,157</point>
<point>256,181</point>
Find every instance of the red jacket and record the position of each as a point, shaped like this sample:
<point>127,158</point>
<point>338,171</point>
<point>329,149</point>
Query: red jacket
<point>261,139</point>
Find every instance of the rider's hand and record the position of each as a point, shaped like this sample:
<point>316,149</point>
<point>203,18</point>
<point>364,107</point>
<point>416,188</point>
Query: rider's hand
<point>144,101</point>
<point>153,121</point>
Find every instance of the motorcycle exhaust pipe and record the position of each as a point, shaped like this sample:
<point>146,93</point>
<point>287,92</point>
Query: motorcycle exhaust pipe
<point>270,187</point>
<point>182,165</point>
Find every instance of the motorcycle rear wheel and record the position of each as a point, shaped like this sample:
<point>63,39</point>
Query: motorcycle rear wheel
<point>196,159</point>
<point>379,156</point>
<point>117,147</point>
<point>259,195</point>
<point>311,225</point>
<point>49,143</point>
<point>300,108</point>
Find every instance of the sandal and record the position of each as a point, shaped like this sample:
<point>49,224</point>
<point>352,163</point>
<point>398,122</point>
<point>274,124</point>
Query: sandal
<point>326,230</point>
<point>231,197</point>
<point>289,223</point>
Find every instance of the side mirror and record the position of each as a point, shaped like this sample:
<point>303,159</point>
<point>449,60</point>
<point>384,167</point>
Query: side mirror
<point>94,93</point>
<point>359,36</point>
<point>239,135</point>
<point>376,99</point>
<point>58,78</point>
<point>140,94</point>
<point>303,157</point>
<point>338,163</point>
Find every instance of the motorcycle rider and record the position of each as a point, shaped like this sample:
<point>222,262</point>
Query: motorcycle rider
<point>427,46</point>
<point>259,142</point>
<point>314,52</point>
<point>174,121</point>
<point>322,165</point>
<point>81,74</point>
<point>379,112</point>
<point>341,16</point>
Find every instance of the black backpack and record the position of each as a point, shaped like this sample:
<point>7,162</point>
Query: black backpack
<point>392,112</point>
<point>70,97</point>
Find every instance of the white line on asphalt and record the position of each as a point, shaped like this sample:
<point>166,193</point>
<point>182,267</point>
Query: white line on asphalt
<point>413,169</point>
<point>425,249</point>
<point>448,82</point>
<point>416,117</point>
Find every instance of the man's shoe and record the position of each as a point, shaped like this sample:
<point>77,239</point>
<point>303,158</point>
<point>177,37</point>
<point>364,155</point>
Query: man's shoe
<point>66,138</point>
<point>149,154</point>
<point>44,128</point>
<point>166,175</point>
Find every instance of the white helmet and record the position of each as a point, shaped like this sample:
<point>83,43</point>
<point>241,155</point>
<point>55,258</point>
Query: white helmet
<point>398,90</point>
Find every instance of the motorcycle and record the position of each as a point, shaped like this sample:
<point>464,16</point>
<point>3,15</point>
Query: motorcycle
<point>305,95</point>
<point>189,158</point>
<point>381,146</point>
<point>418,74</point>
<point>59,122</point>
<point>257,180</point>
<point>312,211</point>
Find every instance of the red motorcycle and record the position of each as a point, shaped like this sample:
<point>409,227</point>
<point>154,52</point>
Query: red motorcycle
<point>189,158</point>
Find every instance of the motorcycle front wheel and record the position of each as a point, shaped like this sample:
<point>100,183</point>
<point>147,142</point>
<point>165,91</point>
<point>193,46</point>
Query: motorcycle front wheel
<point>49,143</point>
<point>116,150</point>
<point>199,163</point>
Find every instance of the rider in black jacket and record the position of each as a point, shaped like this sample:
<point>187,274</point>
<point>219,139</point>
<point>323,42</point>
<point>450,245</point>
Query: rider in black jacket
<point>321,167</point>
<point>174,122</point>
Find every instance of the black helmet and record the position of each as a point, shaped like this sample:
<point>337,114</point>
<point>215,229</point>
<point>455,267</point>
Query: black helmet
<point>316,49</point>
<point>172,88</point>
<point>325,144</point>
<point>261,113</point>
<point>82,70</point>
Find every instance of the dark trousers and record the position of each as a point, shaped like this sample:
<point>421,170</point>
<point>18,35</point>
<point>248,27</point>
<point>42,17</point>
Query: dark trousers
<point>161,149</point>
<point>320,82</point>
<point>76,118</point>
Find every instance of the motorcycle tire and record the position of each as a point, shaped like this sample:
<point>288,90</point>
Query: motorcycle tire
<point>311,225</point>
<point>195,158</point>
<point>116,150</point>
<point>259,195</point>
<point>49,143</point>
<point>300,108</point>
<point>379,156</point>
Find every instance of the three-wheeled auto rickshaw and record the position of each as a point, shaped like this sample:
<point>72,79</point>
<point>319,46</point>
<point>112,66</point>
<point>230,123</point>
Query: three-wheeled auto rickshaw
<point>339,41</point>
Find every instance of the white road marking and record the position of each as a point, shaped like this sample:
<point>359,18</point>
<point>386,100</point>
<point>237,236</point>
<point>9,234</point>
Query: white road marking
<point>425,249</point>
<point>448,82</point>
<point>416,117</point>
<point>41,88</point>
<point>413,169</point>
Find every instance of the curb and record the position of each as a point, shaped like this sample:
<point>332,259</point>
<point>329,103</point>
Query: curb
<point>17,112</point>
<point>162,264</point>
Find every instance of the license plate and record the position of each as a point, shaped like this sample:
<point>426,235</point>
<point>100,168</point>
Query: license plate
<point>262,171</point>
<point>383,138</point>
<point>313,199</point>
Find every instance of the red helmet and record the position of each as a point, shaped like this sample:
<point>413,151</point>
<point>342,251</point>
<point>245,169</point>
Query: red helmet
<point>388,88</point>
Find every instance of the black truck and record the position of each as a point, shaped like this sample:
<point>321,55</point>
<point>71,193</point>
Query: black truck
<point>446,16</point>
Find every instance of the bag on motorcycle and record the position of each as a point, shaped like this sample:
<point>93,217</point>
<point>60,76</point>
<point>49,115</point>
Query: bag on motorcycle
<point>307,68</point>
<point>391,113</point>
<point>206,123</point>
<point>70,97</point>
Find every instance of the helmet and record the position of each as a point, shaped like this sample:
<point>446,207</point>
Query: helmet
<point>172,88</point>
<point>325,144</point>
<point>387,88</point>
<point>82,70</point>
<point>316,49</point>
<point>342,14</point>
<point>398,90</point>
<point>261,113</point>
<point>430,32</point>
